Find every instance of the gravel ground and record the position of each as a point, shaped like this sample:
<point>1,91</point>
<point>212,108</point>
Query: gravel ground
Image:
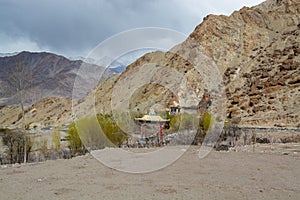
<point>221,175</point>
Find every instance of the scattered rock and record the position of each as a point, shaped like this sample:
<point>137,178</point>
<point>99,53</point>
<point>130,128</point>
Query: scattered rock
<point>263,140</point>
<point>222,147</point>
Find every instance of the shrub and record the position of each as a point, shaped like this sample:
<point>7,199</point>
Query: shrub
<point>27,126</point>
<point>207,121</point>
<point>183,121</point>
<point>205,124</point>
<point>56,140</point>
<point>174,123</point>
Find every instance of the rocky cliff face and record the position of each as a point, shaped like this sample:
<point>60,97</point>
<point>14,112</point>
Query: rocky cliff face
<point>256,51</point>
<point>263,89</point>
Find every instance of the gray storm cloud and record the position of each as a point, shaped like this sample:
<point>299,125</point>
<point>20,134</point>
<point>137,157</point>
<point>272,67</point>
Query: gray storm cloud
<point>74,27</point>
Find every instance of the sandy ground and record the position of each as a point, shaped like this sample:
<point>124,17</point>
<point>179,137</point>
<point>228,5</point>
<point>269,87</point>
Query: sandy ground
<point>220,175</point>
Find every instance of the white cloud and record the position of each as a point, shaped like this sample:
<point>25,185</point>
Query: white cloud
<point>10,44</point>
<point>226,7</point>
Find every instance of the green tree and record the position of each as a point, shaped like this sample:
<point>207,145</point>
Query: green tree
<point>95,133</point>
<point>75,143</point>
<point>111,130</point>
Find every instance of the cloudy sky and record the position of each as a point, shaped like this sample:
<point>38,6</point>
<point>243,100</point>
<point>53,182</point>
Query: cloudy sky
<point>74,27</point>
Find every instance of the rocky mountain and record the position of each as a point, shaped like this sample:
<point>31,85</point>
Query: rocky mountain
<point>259,55</point>
<point>51,75</point>
<point>256,52</point>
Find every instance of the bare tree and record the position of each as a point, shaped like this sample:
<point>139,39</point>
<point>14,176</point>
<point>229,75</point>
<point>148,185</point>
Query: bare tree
<point>18,84</point>
<point>15,141</point>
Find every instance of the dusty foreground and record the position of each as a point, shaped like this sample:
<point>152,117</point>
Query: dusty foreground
<point>221,175</point>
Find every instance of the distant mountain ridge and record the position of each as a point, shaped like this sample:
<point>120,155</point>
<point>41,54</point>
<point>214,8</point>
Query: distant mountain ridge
<point>53,75</point>
<point>119,64</point>
<point>8,54</point>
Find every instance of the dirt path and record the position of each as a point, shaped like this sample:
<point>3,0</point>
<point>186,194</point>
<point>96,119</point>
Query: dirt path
<point>221,175</point>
